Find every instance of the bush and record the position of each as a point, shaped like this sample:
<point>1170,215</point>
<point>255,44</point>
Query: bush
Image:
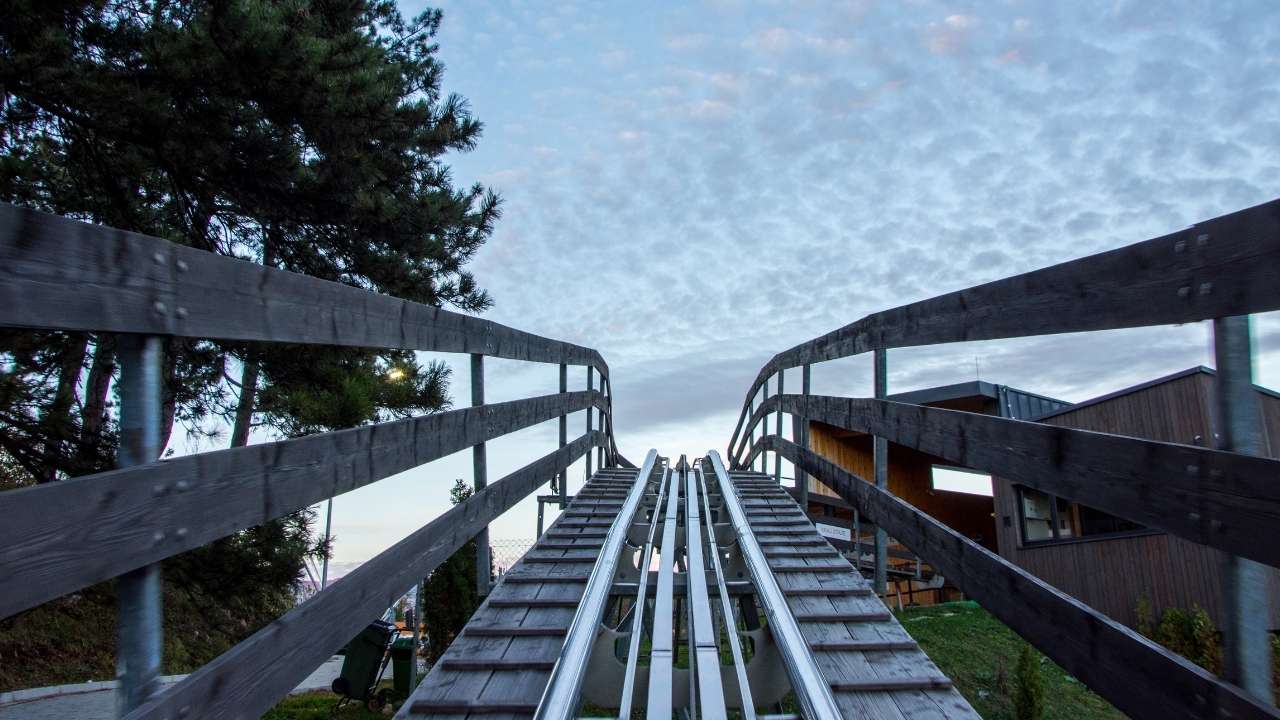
<point>1191,634</point>
<point>1028,697</point>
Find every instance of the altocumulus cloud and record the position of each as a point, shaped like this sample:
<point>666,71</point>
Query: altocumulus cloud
<point>692,189</point>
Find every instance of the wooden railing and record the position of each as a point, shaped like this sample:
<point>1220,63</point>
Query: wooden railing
<point>59,537</point>
<point>1227,498</point>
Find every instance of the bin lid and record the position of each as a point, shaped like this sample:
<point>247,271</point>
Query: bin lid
<point>404,642</point>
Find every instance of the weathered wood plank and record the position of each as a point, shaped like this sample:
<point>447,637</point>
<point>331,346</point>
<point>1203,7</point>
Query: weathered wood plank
<point>66,274</point>
<point>1222,499</point>
<point>1139,677</point>
<point>60,537</point>
<point>248,679</point>
<point>1229,265</point>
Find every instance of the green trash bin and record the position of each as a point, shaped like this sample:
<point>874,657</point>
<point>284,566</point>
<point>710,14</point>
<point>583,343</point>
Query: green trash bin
<point>363,664</point>
<point>401,664</point>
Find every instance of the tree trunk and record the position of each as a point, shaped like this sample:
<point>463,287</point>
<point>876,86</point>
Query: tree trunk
<point>59,427</point>
<point>94,414</point>
<point>244,408</point>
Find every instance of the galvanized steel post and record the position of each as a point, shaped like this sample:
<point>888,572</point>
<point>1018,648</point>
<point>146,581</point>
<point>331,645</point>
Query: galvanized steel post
<point>564,440</point>
<point>881,450</point>
<point>604,384</point>
<point>777,458</point>
<point>764,428</point>
<point>141,630</point>
<point>479,468</point>
<point>1247,651</point>
<point>802,477</point>
<point>591,383</point>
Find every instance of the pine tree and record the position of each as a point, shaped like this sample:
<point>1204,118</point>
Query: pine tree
<point>303,135</point>
<point>1028,698</point>
<point>450,597</point>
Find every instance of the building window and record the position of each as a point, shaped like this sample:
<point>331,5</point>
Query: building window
<point>962,480</point>
<point>1047,518</point>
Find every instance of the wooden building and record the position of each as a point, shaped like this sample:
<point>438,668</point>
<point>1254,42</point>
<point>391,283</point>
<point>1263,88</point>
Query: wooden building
<point>914,476</point>
<point>1108,562</point>
<point>1105,561</point>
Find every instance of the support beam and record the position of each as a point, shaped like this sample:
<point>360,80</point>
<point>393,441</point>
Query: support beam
<point>564,438</point>
<point>802,478</point>
<point>764,428</point>
<point>881,452</point>
<point>1246,640</point>
<point>591,379</point>
<point>479,467</point>
<point>777,459</point>
<point>141,616</point>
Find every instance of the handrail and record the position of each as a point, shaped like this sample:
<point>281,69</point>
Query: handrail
<point>247,680</point>
<point>1229,265</point>
<point>57,273</point>
<point>1234,497</point>
<point>1141,678</point>
<point>62,274</point>
<point>560,698</point>
<point>807,681</point>
<point>59,537</point>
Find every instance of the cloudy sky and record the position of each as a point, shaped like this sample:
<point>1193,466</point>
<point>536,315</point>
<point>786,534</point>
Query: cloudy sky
<point>692,189</point>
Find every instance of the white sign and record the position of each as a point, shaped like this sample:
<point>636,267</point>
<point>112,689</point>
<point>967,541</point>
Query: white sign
<point>834,532</point>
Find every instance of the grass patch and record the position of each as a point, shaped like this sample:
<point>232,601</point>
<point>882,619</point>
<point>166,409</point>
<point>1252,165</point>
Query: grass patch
<point>979,654</point>
<point>318,705</point>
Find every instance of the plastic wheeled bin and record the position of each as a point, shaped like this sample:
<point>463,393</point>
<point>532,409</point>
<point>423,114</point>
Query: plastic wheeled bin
<point>362,668</point>
<point>401,664</point>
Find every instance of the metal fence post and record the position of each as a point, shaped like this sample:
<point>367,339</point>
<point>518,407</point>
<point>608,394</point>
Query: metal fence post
<point>881,453</point>
<point>591,383</point>
<point>777,457</point>
<point>564,439</point>
<point>604,385</point>
<point>802,477</point>
<point>1247,647</point>
<point>479,466</point>
<point>141,612</point>
<point>764,428</point>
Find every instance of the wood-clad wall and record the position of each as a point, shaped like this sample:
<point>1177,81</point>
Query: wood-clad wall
<point>1112,574</point>
<point>910,478</point>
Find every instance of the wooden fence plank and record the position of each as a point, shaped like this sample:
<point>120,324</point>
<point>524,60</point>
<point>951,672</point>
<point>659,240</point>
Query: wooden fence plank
<point>250,678</point>
<point>59,273</point>
<point>1216,498</point>
<point>59,537</point>
<point>1141,678</point>
<point>1229,265</point>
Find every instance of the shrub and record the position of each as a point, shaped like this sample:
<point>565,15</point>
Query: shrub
<point>1191,634</point>
<point>1028,697</point>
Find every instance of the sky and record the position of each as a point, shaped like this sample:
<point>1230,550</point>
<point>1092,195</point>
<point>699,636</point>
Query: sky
<point>692,188</point>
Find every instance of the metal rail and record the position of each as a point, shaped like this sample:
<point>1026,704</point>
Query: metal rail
<point>704,655</point>
<point>662,650</point>
<point>811,688</point>
<point>726,610</point>
<point>637,614</point>
<point>560,699</point>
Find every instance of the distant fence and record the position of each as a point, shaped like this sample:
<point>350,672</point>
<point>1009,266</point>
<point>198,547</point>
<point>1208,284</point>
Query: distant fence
<point>60,537</point>
<point>1228,498</point>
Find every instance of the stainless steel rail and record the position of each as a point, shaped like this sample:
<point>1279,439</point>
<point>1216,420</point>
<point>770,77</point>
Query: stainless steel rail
<point>662,653</point>
<point>704,655</point>
<point>726,611</point>
<point>811,689</point>
<point>560,699</point>
<point>637,614</point>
